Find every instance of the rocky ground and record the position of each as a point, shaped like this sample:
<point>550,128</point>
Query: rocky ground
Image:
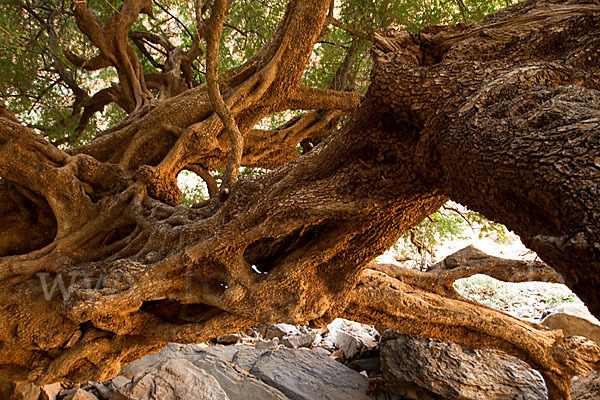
<point>345,360</point>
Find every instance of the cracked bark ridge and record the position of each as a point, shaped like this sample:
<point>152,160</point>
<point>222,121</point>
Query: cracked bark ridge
<point>500,116</point>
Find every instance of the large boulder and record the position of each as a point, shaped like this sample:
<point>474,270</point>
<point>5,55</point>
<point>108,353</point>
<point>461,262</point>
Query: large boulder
<point>215,361</point>
<point>175,379</point>
<point>237,383</point>
<point>305,375</point>
<point>419,368</point>
<point>574,320</point>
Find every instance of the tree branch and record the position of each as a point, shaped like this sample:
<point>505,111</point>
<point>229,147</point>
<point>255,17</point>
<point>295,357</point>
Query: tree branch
<point>385,301</point>
<point>309,98</point>
<point>350,30</point>
<point>213,38</point>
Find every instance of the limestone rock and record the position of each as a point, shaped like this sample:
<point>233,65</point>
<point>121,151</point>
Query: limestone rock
<point>267,345</point>
<point>586,387</point>
<point>416,368</point>
<point>238,384</point>
<point>354,344</point>
<point>80,394</point>
<point>246,358</point>
<point>280,330</point>
<point>353,338</point>
<point>102,391</point>
<point>49,392</point>
<point>119,382</point>
<point>171,351</point>
<point>302,374</point>
<point>574,320</point>
<point>300,340</point>
<point>174,379</point>
<point>215,361</point>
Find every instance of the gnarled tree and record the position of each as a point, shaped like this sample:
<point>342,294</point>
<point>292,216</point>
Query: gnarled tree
<point>501,116</point>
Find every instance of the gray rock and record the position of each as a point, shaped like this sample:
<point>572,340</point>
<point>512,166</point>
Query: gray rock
<point>238,384</point>
<point>303,375</point>
<point>175,379</point>
<point>102,390</point>
<point>176,350</point>
<point>300,340</point>
<point>214,360</point>
<point>120,381</point>
<point>322,351</point>
<point>246,358</point>
<point>354,344</point>
<point>267,345</point>
<point>586,387</point>
<point>225,353</point>
<point>574,320</point>
<point>417,368</point>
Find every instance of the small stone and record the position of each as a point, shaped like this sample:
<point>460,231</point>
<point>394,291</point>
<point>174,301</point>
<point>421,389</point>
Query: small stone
<point>49,392</point>
<point>267,345</point>
<point>102,390</point>
<point>301,340</point>
<point>74,339</point>
<point>336,355</point>
<point>228,339</point>
<point>365,364</point>
<point>280,330</point>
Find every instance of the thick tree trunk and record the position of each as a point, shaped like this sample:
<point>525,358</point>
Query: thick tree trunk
<point>494,115</point>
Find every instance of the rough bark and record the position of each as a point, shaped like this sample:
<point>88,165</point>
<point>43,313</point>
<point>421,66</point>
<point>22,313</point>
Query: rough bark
<point>501,116</point>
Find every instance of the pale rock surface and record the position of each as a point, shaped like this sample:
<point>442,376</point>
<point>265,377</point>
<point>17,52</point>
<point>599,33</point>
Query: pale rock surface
<point>302,375</point>
<point>175,379</point>
<point>574,320</point>
<point>80,394</point>
<point>215,361</point>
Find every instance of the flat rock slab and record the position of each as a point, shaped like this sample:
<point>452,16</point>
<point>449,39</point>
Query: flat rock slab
<point>307,375</point>
<point>238,384</point>
<point>215,361</point>
<point>246,358</point>
<point>413,366</point>
<point>175,379</point>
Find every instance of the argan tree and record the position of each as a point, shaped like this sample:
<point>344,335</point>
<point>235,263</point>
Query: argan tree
<point>502,115</point>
